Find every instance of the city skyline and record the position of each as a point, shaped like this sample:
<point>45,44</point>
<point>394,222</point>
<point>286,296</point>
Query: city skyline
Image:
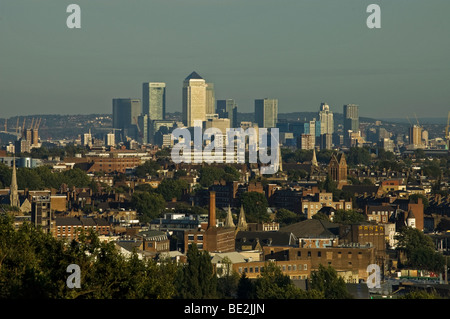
<point>306,54</point>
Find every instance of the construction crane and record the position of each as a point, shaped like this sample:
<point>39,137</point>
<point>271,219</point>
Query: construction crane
<point>416,119</point>
<point>17,125</point>
<point>37,124</point>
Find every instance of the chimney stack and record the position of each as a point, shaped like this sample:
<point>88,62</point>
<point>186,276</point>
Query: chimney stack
<point>212,210</point>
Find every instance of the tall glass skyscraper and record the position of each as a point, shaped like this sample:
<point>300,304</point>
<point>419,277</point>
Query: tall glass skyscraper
<point>326,119</point>
<point>154,100</point>
<point>126,112</point>
<point>227,109</point>
<point>210,99</point>
<point>351,118</point>
<point>266,112</point>
<point>194,99</point>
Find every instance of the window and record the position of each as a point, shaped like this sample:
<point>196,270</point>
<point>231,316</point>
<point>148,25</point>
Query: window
<point>199,237</point>
<point>299,253</point>
<point>305,267</point>
<point>256,269</point>
<point>190,237</point>
<point>309,254</point>
<point>319,254</point>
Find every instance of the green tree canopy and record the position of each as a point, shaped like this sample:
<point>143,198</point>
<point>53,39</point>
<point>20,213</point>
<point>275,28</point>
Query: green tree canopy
<point>196,279</point>
<point>148,205</point>
<point>326,281</point>
<point>419,249</point>
<point>255,206</point>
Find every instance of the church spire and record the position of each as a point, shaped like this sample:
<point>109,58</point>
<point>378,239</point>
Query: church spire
<point>229,220</point>
<point>242,223</point>
<point>13,190</point>
<point>314,158</point>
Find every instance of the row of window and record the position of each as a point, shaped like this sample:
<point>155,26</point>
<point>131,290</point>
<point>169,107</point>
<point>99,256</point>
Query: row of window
<point>192,237</point>
<point>284,268</point>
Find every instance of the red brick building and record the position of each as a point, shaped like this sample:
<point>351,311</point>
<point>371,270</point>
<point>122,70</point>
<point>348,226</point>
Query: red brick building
<point>213,238</point>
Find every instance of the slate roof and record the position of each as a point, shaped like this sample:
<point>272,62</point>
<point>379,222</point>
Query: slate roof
<point>264,238</point>
<point>360,189</point>
<point>312,228</point>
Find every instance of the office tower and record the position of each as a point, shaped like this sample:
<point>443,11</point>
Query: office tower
<point>154,100</point>
<point>415,136</point>
<point>142,128</point>
<point>210,99</point>
<point>86,139</point>
<point>227,109</point>
<point>222,125</point>
<point>306,142</point>
<point>125,112</point>
<point>351,118</point>
<point>41,215</point>
<point>194,99</point>
<point>110,139</point>
<point>326,119</point>
<point>266,112</point>
<point>326,141</point>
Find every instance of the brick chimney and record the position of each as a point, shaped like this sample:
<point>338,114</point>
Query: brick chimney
<point>212,210</point>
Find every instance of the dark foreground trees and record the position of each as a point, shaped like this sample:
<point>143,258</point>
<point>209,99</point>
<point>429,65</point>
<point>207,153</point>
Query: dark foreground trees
<point>34,265</point>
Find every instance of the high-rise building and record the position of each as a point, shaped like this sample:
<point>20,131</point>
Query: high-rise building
<point>210,99</point>
<point>154,100</point>
<point>351,118</point>
<point>86,139</point>
<point>125,112</point>
<point>415,136</point>
<point>110,139</point>
<point>266,112</point>
<point>194,99</point>
<point>326,119</point>
<point>228,109</point>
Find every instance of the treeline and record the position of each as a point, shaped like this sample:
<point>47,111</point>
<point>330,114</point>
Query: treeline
<point>34,265</point>
<point>42,177</point>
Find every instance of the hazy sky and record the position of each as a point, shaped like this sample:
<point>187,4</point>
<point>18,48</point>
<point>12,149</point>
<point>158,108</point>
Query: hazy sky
<point>302,52</point>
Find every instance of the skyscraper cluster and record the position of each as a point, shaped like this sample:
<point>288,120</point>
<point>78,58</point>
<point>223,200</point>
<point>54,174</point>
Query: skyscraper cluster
<point>144,119</point>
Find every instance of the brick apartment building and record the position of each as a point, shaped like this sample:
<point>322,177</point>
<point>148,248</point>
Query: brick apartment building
<point>350,262</point>
<point>71,227</point>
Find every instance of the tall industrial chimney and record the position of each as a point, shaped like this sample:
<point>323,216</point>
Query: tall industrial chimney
<point>212,210</point>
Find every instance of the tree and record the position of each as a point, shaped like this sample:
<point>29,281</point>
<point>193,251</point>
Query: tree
<point>255,206</point>
<point>148,205</point>
<point>348,217</point>
<point>420,294</point>
<point>286,217</point>
<point>358,155</point>
<point>33,264</point>
<point>273,284</point>
<point>327,282</point>
<point>196,279</point>
<point>172,188</point>
<point>419,250</point>
<point>148,168</point>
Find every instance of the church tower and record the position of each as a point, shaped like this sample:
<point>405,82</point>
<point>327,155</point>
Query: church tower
<point>13,190</point>
<point>229,220</point>
<point>242,223</point>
